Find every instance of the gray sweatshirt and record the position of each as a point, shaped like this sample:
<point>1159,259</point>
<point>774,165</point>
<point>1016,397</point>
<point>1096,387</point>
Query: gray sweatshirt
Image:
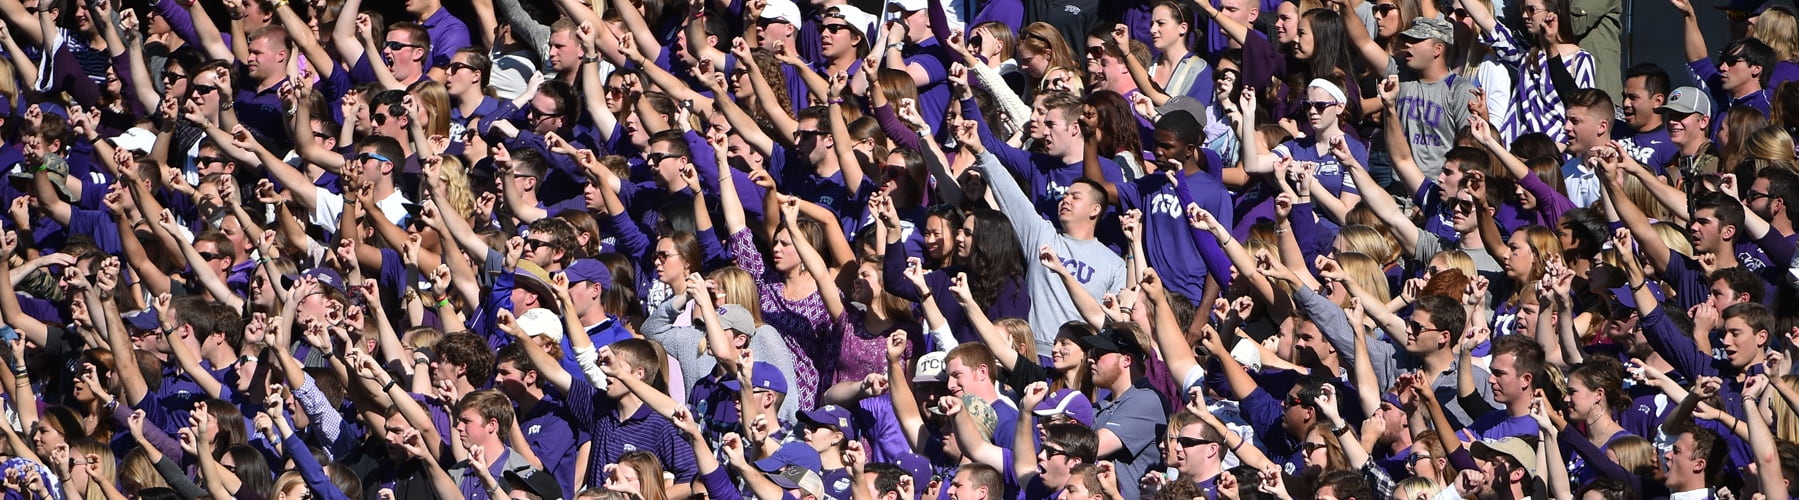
<point>1099,270</point>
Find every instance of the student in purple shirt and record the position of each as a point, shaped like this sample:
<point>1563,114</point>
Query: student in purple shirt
<point>1184,173</point>
<point>1517,364</point>
<point>913,47</point>
<point>1644,133</point>
<point>542,416</point>
<point>610,401</point>
<point>448,34</point>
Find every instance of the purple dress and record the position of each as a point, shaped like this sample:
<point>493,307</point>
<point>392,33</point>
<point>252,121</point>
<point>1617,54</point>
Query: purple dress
<point>862,351</point>
<point>804,324</point>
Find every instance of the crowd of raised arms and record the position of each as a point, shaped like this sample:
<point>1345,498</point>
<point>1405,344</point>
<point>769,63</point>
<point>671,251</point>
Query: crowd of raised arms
<point>896,250</point>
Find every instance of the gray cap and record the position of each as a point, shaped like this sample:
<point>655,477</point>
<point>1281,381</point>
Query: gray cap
<point>1428,28</point>
<point>1688,100</point>
<point>736,317</point>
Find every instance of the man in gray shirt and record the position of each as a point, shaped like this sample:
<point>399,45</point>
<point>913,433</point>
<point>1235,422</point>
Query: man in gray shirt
<point>1098,269</point>
<point>1431,108</point>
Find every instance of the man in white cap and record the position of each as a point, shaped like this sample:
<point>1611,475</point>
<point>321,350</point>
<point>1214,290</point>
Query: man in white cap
<point>780,22</point>
<point>911,47</point>
<point>1688,114</point>
<point>844,38</point>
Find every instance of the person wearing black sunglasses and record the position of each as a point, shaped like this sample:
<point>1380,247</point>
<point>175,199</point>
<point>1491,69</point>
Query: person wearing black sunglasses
<point>407,52</point>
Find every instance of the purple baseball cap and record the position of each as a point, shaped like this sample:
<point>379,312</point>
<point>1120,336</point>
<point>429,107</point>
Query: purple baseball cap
<point>833,416</point>
<point>588,270</point>
<point>1068,402</point>
<point>793,453</point>
<point>763,376</point>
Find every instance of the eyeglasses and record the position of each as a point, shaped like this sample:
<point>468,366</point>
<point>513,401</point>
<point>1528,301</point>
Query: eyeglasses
<point>1756,195</point>
<point>800,135</point>
<point>1295,402</point>
<point>615,90</point>
<point>456,66</point>
<point>656,158</point>
<point>1529,10</point>
<point>1462,206</point>
<point>539,115</point>
<point>205,89</point>
<point>1458,13</point>
<point>321,135</point>
<point>170,76</point>
<point>1729,60</point>
<point>1413,460</point>
<point>1189,442</point>
<point>1421,329</point>
<point>536,244</point>
<point>1320,106</point>
<point>372,156</point>
<point>1309,446</point>
<point>664,255</point>
<point>1096,51</point>
<point>208,160</point>
<point>392,45</point>
<point>1383,9</point>
<point>837,28</point>
<point>1053,452</point>
<point>210,256</point>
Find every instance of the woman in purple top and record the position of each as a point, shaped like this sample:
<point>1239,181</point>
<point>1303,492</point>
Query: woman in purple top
<point>1595,395</point>
<point>995,267</point>
<point>863,324</point>
<point>789,294</point>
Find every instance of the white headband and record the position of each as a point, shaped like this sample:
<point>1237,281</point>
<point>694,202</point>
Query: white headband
<point>1331,88</point>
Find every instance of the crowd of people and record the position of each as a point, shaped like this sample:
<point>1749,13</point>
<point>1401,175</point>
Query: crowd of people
<point>962,249</point>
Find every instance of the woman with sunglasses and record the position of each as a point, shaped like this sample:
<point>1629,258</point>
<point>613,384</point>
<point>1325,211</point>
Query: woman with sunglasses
<point>1326,153</point>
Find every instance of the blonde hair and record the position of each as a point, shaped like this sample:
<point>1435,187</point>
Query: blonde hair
<point>1545,243</point>
<point>109,468</point>
<point>1019,331</point>
<point>738,287</point>
<point>1634,453</point>
<point>1770,144</point>
<point>434,100</point>
<point>1458,260</point>
<point>1786,421</point>
<point>1369,241</point>
<point>649,474</point>
<point>422,336</point>
<point>288,481</point>
<point>1777,28</point>
<point>1367,273</point>
<point>1645,199</point>
<point>137,473</point>
<point>1416,487</point>
<point>458,194</point>
<point>1675,236</point>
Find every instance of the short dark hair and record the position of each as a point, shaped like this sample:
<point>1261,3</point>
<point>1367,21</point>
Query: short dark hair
<point>1655,79</point>
<point>1759,318</point>
<point>1347,484</point>
<point>1740,280</point>
<point>1445,312</point>
<point>1783,184</point>
<point>1527,354</point>
<point>1078,440</point>
<point>887,476</point>
<point>1756,53</point>
<point>469,351</point>
<point>1726,209</point>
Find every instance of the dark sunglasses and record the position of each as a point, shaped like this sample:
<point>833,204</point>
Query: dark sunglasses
<point>535,114</point>
<point>372,156</point>
<point>1189,442</point>
<point>205,89</point>
<point>1309,446</point>
<point>456,66</point>
<point>321,135</point>
<point>535,244</point>
<point>1052,452</point>
<point>1383,9</point>
<point>208,160</point>
<point>837,28</point>
<point>1096,52</point>
<point>1462,206</point>
<point>398,46</point>
<point>1320,106</point>
<point>1729,60</point>
<point>656,158</point>
<point>800,135</point>
<point>173,77</point>
<point>210,256</point>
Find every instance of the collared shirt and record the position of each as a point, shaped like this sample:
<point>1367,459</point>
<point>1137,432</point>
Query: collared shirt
<point>1699,494</point>
<point>263,112</point>
<point>549,429</point>
<point>1136,418</point>
<point>473,488</point>
<point>644,430</point>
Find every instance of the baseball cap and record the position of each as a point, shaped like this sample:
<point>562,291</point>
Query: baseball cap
<point>931,367</point>
<point>58,168</point>
<point>136,139</point>
<point>860,20</point>
<point>1513,447</point>
<point>762,376</point>
<point>906,5</point>
<point>537,482</point>
<point>540,321</point>
<point>833,416</point>
<point>588,270</point>
<point>144,319</point>
<point>985,418</point>
<point>1430,28</point>
<point>782,10</point>
<point>1067,402</point>
<point>1113,340</point>
<point>1688,99</point>
<point>799,478</point>
<point>916,465</point>
<point>736,317</point>
<point>534,279</point>
<point>326,276</point>
<point>794,453</point>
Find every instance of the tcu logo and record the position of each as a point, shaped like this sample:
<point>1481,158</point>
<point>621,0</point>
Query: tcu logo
<point>1166,203</point>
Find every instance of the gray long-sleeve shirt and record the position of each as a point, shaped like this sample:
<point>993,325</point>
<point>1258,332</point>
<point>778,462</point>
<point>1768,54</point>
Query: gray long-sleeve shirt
<point>1099,270</point>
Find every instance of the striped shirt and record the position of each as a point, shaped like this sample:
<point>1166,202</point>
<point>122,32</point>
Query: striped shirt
<point>644,430</point>
<point>1539,106</point>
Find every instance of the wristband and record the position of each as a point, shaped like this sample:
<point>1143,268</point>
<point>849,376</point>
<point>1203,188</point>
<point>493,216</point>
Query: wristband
<point>444,303</point>
<point>389,385</point>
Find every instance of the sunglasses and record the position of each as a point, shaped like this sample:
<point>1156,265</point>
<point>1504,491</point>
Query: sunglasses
<point>1754,195</point>
<point>1462,206</point>
<point>205,89</point>
<point>1053,452</point>
<point>173,77</point>
<point>398,46</point>
<point>1729,60</point>
<point>1383,9</point>
<point>1309,446</point>
<point>837,28</point>
<point>208,160</point>
<point>456,66</point>
<point>321,135</point>
<point>800,135</point>
<point>1320,106</point>
<point>1189,442</point>
<point>656,158</point>
<point>536,244</point>
<point>210,256</point>
<point>372,156</point>
<point>1096,52</point>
